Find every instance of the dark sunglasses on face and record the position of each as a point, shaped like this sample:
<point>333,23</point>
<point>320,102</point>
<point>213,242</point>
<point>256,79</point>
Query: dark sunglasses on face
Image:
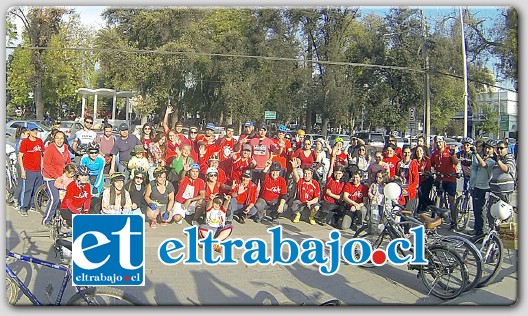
<point>88,122</point>
<point>213,175</point>
<point>140,178</point>
<point>192,132</point>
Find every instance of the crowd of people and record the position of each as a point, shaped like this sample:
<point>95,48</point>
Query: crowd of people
<point>211,182</point>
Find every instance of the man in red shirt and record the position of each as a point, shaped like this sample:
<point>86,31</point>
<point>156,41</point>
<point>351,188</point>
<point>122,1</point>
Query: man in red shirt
<point>355,195</point>
<point>273,194</point>
<point>249,133</point>
<point>308,192</point>
<point>331,205</point>
<point>244,197</point>
<point>226,146</point>
<point>242,162</point>
<point>190,195</point>
<point>262,147</point>
<point>444,162</point>
<point>30,162</point>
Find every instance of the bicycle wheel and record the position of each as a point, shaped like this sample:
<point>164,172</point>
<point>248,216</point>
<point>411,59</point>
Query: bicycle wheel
<point>41,199</point>
<point>445,275</point>
<point>471,256</point>
<point>103,296</point>
<point>11,291</point>
<point>334,302</point>
<point>492,258</point>
<point>462,206</point>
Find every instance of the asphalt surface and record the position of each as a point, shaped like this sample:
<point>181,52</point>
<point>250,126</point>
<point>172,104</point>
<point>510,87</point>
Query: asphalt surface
<point>243,284</point>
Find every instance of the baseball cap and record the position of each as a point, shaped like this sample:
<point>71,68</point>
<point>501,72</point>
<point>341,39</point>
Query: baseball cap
<point>275,166</point>
<point>246,173</point>
<point>31,126</point>
<point>300,132</point>
<point>211,170</point>
<point>248,123</point>
<point>123,127</point>
<point>210,126</point>
<point>195,166</point>
<point>246,147</point>
<point>264,127</point>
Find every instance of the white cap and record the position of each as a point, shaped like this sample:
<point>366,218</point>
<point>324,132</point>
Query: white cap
<point>211,170</point>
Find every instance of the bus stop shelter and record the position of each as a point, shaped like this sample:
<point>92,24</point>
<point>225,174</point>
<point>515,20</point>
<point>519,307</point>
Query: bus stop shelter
<point>108,93</point>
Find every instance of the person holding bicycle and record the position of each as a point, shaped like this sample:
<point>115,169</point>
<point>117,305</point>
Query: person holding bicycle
<point>502,182</point>
<point>481,171</point>
<point>78,196</point>
<point>444,162</point>
<point>465,156</point>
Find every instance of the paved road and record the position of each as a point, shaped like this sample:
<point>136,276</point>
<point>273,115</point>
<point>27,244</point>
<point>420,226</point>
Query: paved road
<point>259,285</point>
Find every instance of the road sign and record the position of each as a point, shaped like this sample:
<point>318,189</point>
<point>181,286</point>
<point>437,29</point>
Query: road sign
<point>270,115</point>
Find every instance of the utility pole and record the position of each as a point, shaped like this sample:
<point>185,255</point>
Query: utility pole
<point>465,73</point>
<point>427,94</point>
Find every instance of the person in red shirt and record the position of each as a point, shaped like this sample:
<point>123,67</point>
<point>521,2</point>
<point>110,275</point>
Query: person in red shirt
<point>305,154</point>
<point>426,181</point>
<point>285,147</point>
<point>391,159</point>
<point>30,162</point>
<point>212,189</point>
<point>394,142</point>
<point>331,207</point>
<point>308,192</point>
<point>225,183</point>
<point>444,162</point>
<point>193,141</point>
<point>242,162</point>
<point>78,196</point>
<point>249,134</point>
<point>244,197</point>
<point>191,193</point>
<point>355,195</point>
<point>407,174</point>
<point>226,146</point>
<point>273,194</point>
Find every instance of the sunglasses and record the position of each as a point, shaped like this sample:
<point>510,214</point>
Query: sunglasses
<point>194,132</point>
<point>140,178</point>
<point>362,149</point>
<point>88,122</point>
<point>212,175</point>
<point>501,147</point>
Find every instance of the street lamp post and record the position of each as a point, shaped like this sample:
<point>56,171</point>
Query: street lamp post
<point>427,92</point>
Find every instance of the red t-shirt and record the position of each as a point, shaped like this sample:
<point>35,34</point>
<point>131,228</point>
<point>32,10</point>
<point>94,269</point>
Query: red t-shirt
<point>248,196</point>
<point>32,150</point>
<point>273,189</point>
<point>392,162</point>
<point>225,148</point>
<point>335,187</point>
<point>341,159</point>
<point>356,193</point>
<point>211,191</point>
<point>305,160</point>
<point>442,163</point>
<point>76,197</point>
<point>307,191</point>
<point>285,151</point>
<point>238,166</point>
<point>190,188</point>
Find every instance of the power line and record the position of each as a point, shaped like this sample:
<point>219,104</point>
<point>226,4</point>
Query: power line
<point>271,58</point>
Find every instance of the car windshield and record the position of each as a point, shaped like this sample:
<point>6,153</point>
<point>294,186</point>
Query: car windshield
<point>377,138</point>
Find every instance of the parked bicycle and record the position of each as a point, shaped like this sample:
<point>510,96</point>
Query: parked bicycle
<point>440,197</point>
<point>490,244</point>
<point>11,173</point>
<point>445,276</point>
<point>464,209</point>
<point>41,199</point>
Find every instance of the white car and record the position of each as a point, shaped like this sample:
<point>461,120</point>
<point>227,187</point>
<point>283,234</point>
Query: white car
<point>11,127</point>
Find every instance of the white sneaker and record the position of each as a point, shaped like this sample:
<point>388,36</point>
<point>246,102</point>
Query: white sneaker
<point>180,221</point>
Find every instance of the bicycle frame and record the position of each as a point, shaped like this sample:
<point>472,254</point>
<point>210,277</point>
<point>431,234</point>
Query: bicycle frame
<point>27,292</point>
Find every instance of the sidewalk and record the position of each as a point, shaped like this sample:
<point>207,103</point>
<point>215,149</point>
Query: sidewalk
<point>261,285</point>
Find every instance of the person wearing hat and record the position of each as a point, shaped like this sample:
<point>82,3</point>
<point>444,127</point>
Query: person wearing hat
<point>481,172</point>
<point>284,145</point>
<point>30,161</point>
<point>123,147</point>
<point>308,192</point>
<point>244,197</point>
<point>273,194</point>
<point>84,136</point>
<point>331,208</point>
<point>444,162</point>
<point>209,138</point>
<point>465,156</point>
<point>504,175</point>
<point>299,139</point>
<point>214,162</point>
<point>95,164</point>
<point>190,195</point>
<point>139,160</point>
<point>212,189</point>
<point>262,147</point>
<point>246,136</point>
<point>116,200</point>
<point>242,162</point>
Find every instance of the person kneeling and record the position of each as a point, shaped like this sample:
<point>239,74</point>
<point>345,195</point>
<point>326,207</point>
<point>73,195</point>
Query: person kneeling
<point>116,200</point>
<point>308,192</point>
<point>77,197</point>
<point>215,220</point>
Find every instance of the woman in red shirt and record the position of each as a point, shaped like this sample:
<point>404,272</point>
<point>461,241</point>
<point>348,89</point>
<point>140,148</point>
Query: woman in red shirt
<point>407,173</point>
<point>391,159</point>
<point>426,181</point>
<point>212,189</point>
<point>78,196</point>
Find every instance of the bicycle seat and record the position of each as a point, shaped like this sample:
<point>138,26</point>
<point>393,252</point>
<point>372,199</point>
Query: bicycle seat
<point>430,222</point>
<point>442,212</point>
